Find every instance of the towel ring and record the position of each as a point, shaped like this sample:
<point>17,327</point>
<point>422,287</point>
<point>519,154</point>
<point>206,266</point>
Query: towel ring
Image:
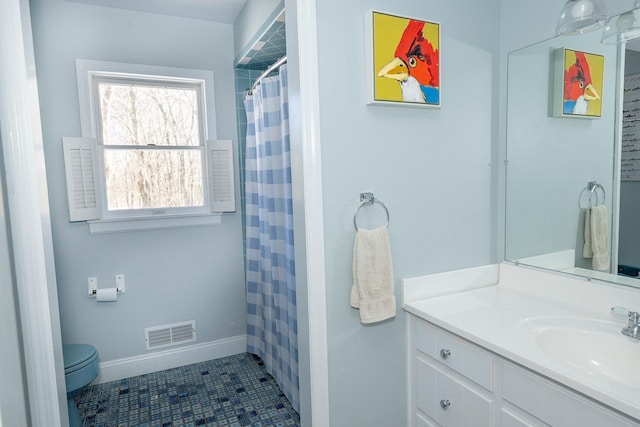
<point>593,190</point>
<point>367,199</point>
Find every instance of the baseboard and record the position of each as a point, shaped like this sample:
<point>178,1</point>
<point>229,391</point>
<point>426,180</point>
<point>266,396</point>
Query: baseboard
<point>144,364</point>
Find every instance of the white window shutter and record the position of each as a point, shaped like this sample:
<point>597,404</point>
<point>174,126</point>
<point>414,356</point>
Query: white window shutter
<point>80,167</point>
<point>221,183</point>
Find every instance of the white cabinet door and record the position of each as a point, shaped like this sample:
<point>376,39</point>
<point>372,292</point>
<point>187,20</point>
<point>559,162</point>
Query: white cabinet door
<point>509,418</point>
<point>448,401</point>
<point>421,421</point>
<point>455,353</point>
<point>552,403</point>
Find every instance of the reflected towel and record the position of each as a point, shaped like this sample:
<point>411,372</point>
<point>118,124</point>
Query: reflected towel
<point>586,249</point>
<point>372,290</point>
<point>600,238</point>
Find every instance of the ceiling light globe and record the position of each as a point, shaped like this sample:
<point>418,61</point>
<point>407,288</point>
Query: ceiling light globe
<point>581,16</point>
<point>626,21</point>
<point>582,8</point>
<point>623,28</point>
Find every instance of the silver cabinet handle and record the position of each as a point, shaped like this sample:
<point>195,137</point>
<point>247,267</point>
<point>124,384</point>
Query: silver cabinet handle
<point>444,403</point>
<point>445,353</point>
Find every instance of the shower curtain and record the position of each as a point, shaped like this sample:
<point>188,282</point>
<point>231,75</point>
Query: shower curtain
<point>271,289</point>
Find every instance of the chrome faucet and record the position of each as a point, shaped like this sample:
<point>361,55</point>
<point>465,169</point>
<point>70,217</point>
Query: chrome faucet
<point>633,326</point>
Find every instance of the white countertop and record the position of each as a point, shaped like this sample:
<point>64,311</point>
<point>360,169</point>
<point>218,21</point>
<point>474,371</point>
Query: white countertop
<point>497,316</point>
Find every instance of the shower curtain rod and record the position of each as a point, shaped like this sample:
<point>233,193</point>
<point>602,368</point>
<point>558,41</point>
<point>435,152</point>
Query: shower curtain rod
<point>275,65</point>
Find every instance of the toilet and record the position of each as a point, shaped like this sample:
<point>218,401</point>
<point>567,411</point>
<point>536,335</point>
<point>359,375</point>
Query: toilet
<point>80,369</point>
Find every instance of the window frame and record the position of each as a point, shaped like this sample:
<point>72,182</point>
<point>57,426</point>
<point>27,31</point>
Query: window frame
<point>89,73</point>
<point>153,81</point>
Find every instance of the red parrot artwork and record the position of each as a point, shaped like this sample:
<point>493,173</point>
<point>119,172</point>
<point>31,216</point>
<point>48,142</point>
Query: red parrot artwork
<point>578,87</point>
<point>415,66</point>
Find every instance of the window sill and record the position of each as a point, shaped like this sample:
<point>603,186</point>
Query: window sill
<point>104,226</point>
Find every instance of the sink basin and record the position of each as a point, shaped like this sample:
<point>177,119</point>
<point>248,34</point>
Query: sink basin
<point>594,347</point>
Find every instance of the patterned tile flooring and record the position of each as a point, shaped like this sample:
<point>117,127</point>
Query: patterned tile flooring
<point>232,391</point>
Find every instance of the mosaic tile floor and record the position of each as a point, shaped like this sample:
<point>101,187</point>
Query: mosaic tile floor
<point>232,391</point>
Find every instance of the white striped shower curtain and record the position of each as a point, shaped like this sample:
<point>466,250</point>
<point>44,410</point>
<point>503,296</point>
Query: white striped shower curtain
<point>271,287</point>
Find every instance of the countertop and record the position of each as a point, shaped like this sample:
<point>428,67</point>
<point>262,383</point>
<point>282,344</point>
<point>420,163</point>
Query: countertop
<point>500,317</point>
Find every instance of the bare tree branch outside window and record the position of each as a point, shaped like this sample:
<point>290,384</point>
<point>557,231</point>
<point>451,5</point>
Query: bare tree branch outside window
<point>152,146</point>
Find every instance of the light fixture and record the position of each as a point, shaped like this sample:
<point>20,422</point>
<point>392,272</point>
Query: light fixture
<point>623,28</point>
<point>581,16</point>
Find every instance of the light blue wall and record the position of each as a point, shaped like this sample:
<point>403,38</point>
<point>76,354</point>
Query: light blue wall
<point>552,159</point>
<point>524,23</point>
<point>433,169</point>
<point>171,275</point>
<point>250,21</point>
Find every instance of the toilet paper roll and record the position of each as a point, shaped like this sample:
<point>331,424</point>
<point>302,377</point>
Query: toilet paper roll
<point>107,295</point>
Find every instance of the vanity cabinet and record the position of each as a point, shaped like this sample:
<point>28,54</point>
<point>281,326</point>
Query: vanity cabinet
<point>554,404</point>
<point>448,400</point>
<point>453,382</point>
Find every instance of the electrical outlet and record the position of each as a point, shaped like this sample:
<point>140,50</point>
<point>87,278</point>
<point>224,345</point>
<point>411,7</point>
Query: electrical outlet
<point>92,285</point>
<point>120,283</point>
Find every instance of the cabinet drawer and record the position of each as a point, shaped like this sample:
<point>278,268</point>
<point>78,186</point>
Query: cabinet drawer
<point>462,357</point>
<point>421,421</point>
<point>447,401</point>
<point>508,418</point>
<point>553,404</point>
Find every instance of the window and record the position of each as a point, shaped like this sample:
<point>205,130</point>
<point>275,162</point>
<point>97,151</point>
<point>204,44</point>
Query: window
<point>144,151</point>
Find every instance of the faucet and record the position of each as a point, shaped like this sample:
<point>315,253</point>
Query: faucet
<point>633,327</point>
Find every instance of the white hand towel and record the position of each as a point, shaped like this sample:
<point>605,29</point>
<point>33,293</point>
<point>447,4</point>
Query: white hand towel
<point>372,290</point>
<point>586,249</point>
<point>600,238</point>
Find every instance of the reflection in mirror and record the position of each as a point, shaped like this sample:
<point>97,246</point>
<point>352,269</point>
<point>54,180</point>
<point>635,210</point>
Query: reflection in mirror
<point>629,217</point>
<point>552,160</point>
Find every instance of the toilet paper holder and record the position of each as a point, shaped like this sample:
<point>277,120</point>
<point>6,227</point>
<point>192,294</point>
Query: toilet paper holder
<point>92,283</point>
<point>95,291</point>
<point>107,295</point>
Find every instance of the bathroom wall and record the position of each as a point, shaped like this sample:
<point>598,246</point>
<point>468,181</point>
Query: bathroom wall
<point>524,23</point>
<point>171,275</point>
<point>545,211</point>
<point>251,20</point>
<point>432,167</point>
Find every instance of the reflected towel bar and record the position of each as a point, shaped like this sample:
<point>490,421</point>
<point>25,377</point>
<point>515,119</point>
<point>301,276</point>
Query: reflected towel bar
<point>593,189</point>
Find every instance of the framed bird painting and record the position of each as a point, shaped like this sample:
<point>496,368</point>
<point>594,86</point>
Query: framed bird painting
<point>403,60</point>
<point>577,87</point>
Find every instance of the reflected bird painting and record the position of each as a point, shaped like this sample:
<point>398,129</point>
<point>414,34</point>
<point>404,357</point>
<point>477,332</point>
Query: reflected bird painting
<point>581,77</point>
<point>578,86</point>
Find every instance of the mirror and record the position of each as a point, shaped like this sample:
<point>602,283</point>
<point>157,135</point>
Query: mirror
<point>551,160</point>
